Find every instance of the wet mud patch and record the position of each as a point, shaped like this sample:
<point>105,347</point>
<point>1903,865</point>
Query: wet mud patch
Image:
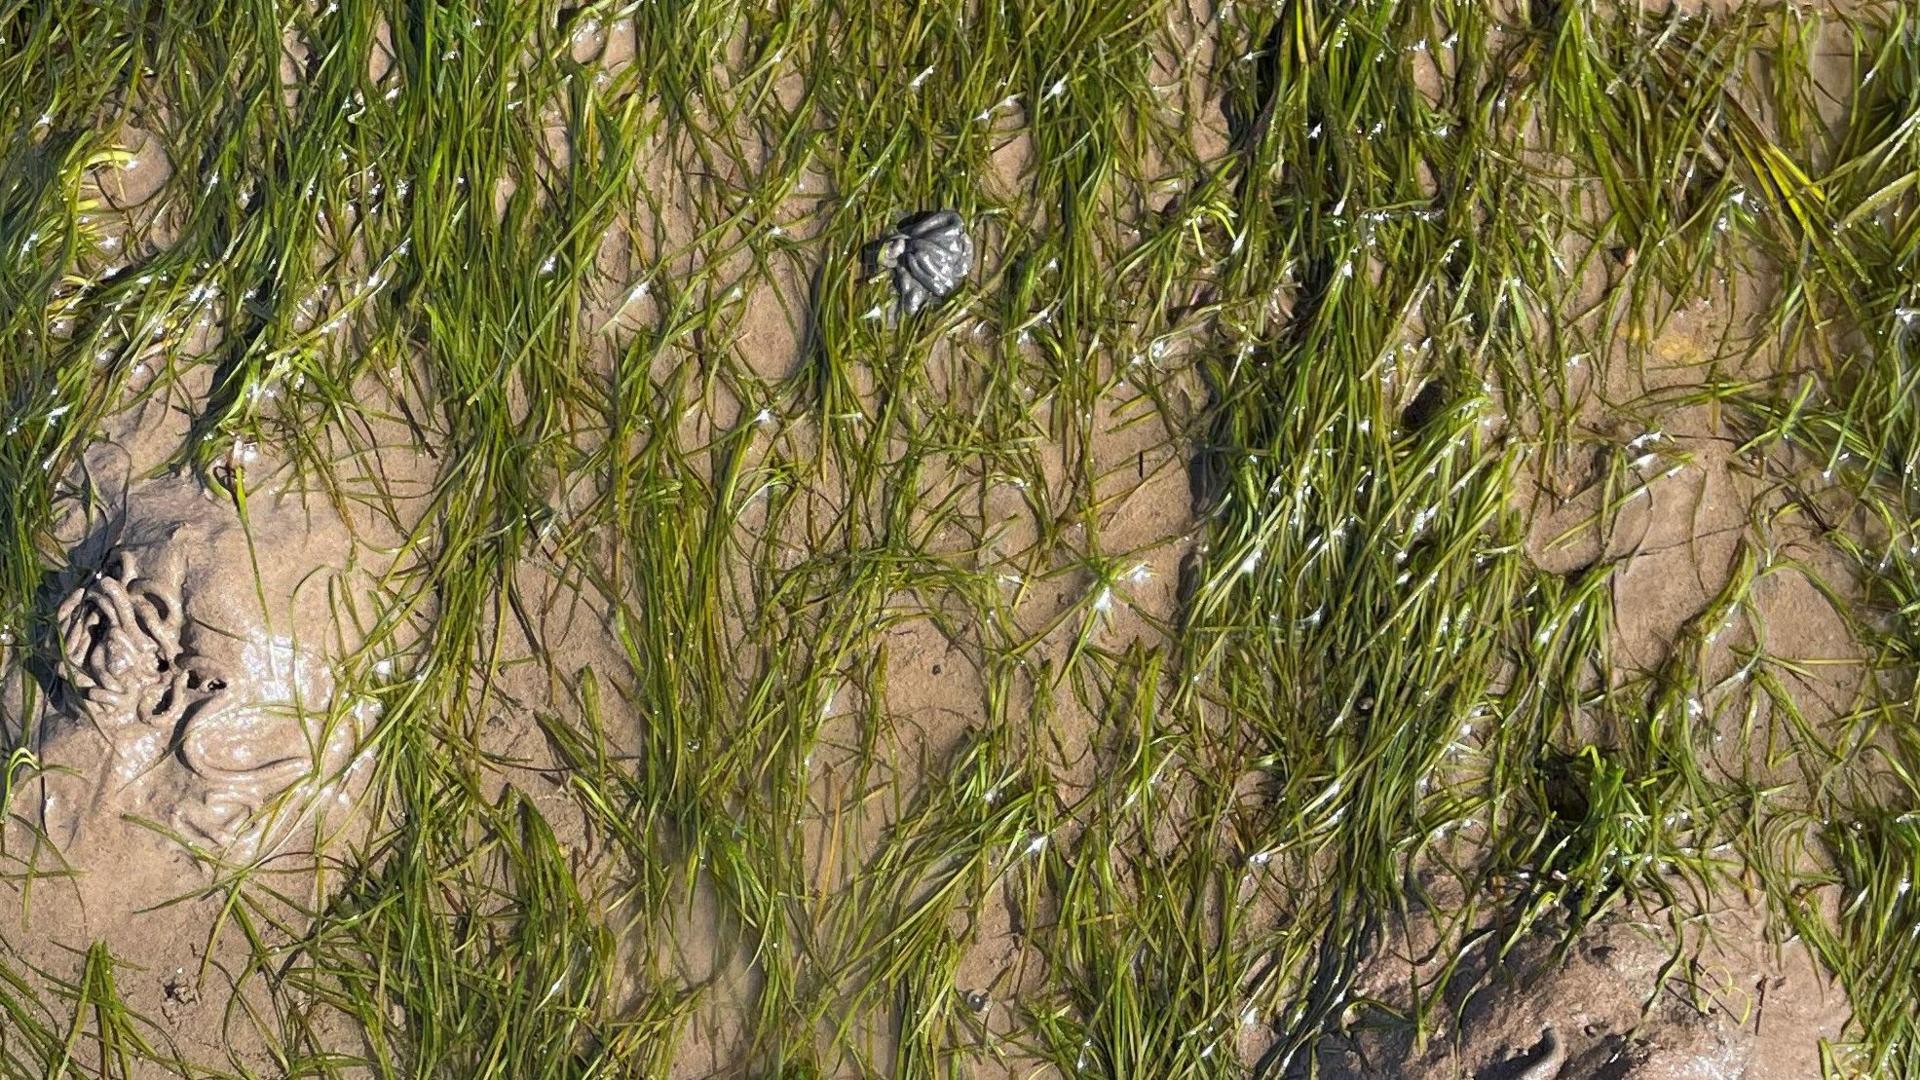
<point>188,681</point>
<point>1624,999</point>
<point>806,688</point>
<point>197,745</point>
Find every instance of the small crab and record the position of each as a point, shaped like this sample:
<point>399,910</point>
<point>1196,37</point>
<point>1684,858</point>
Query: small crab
<point>927,254</point>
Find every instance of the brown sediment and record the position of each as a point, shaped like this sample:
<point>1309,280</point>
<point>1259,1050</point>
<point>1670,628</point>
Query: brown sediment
<point>187,711</point>
<point>1626,999</point>
<point>198,739</point>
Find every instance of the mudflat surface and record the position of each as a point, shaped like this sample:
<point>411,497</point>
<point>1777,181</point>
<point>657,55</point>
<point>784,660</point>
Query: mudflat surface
<point>1390,563</point>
